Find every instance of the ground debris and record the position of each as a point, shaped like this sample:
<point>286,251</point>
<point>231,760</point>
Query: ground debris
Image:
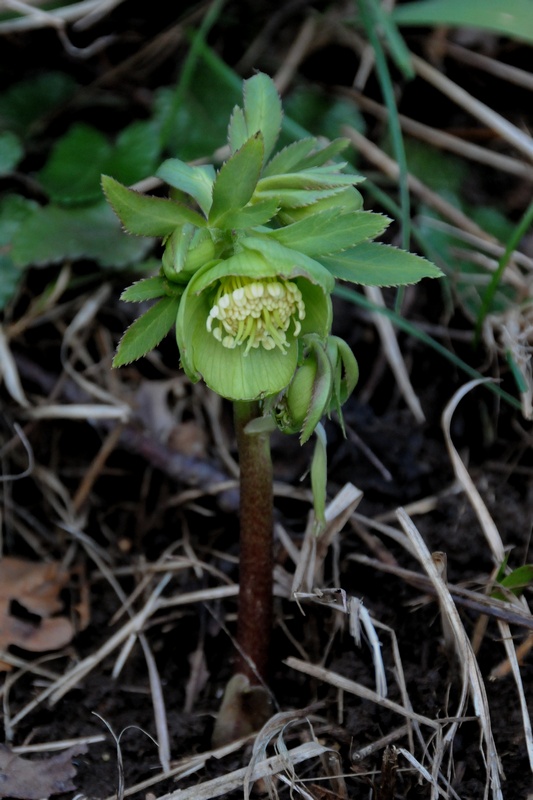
<point>32,780</point>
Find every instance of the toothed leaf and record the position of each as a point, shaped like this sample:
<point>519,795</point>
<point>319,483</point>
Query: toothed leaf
<point>373,264</point>
<point>327,232</point>
<point>147,331</point>
<point>236,181</point>
<point>146,216</point>
<point>146,289</point>
<point>262,110</point>
<point>194,181</point>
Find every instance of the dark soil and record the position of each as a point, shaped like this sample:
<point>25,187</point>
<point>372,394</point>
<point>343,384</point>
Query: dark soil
<point>152,497</point>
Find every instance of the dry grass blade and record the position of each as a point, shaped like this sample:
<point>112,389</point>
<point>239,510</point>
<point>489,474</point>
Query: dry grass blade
<point>9,372</point>
<point>464,652</point>
<point>389,167</point>
<point>236,779</point>
<point>490,530</point>
<point>347,685</point>
<point>512,333</point>
<point>446,141</point>
<point>393,354</point>
<point>34,18</point>
<point>513,135</point>
<point>507,640</point>
<point>314,548</point>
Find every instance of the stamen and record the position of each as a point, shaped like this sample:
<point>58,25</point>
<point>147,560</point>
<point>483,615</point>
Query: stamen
<point>257,313</point>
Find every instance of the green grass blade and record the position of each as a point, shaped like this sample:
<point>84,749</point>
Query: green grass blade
<point>488,297</point>
<point>387,89</point>
<point>512,18</point>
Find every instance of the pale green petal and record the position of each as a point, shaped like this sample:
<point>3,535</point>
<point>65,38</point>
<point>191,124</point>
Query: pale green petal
<point>229,372</point>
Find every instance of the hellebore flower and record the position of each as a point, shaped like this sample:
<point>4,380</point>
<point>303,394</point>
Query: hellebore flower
<point>239,319</point>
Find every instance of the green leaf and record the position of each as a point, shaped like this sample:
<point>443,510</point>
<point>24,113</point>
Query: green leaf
<point>198,123</point>
<point>146,215</point>
<point>252,215</point>
<point>194,181</point>
<point>72,173</point>
<point>237,179</point>
<point>14,210</point>
<point>262,110</point>
<point>28,102</point>
<point>321,391</point>
<point>284,261</point>
<point>319,474</point>
<point>146,289</point>
<point>135,153</point>
<point>315,178</point>
<point>517,580</point>
<point>147,331</point>
<point>297,198</point>
<point>329,232</point>
<point>237,130</point>
<point>507,17</point>
<point>11,152</point>
<point>51,234</point>
<point>289,159</point>
<point>10,277</point>
<point>395,44</point>
<point>324,154</point>
<point>373,264</point>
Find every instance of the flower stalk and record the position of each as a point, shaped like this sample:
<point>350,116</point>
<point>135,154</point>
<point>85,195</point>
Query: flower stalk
<point>255,559</point>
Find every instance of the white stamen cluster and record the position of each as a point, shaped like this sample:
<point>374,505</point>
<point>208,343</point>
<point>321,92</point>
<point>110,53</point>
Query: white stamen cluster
<point>255,312</point>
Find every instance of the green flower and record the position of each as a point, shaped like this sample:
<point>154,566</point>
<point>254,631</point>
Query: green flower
<point>239,319</point>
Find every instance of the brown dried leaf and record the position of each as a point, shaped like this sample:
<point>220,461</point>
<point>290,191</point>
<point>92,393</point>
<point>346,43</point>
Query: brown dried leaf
<point>32,780</point>
<point>36,587</point>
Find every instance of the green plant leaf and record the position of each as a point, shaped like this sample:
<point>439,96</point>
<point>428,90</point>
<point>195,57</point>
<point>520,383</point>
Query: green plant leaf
<point>146,289</point>
<point>10,277</point>
<point>507,17</point>
<point>237,130</point>
<point>14,210</point>
<point>373,264</point>
<point>198,123</point>
<point>237,179</point>
<point>285,262</point>
<point>194,181</point>
<point>72,173</point>
<point>147,331</point>
<point>326,177</point>
<point>395,44</point>
<point>11,152</point>
<point>330,232</point>
<point>51,234</point>
<point>146,215</point>
<point>262,110</point>
<point>28,102</point>
<point>319,474</point>
<point>290,158</point>
<point>517,580</point>
<point>135,153</point>
<point>252,215</point>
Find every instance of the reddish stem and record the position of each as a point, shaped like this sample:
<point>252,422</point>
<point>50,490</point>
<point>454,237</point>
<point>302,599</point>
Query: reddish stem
<point>256,520</point>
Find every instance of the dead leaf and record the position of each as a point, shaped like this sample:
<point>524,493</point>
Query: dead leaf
<point>33,780</point>
<point>36,588</point>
